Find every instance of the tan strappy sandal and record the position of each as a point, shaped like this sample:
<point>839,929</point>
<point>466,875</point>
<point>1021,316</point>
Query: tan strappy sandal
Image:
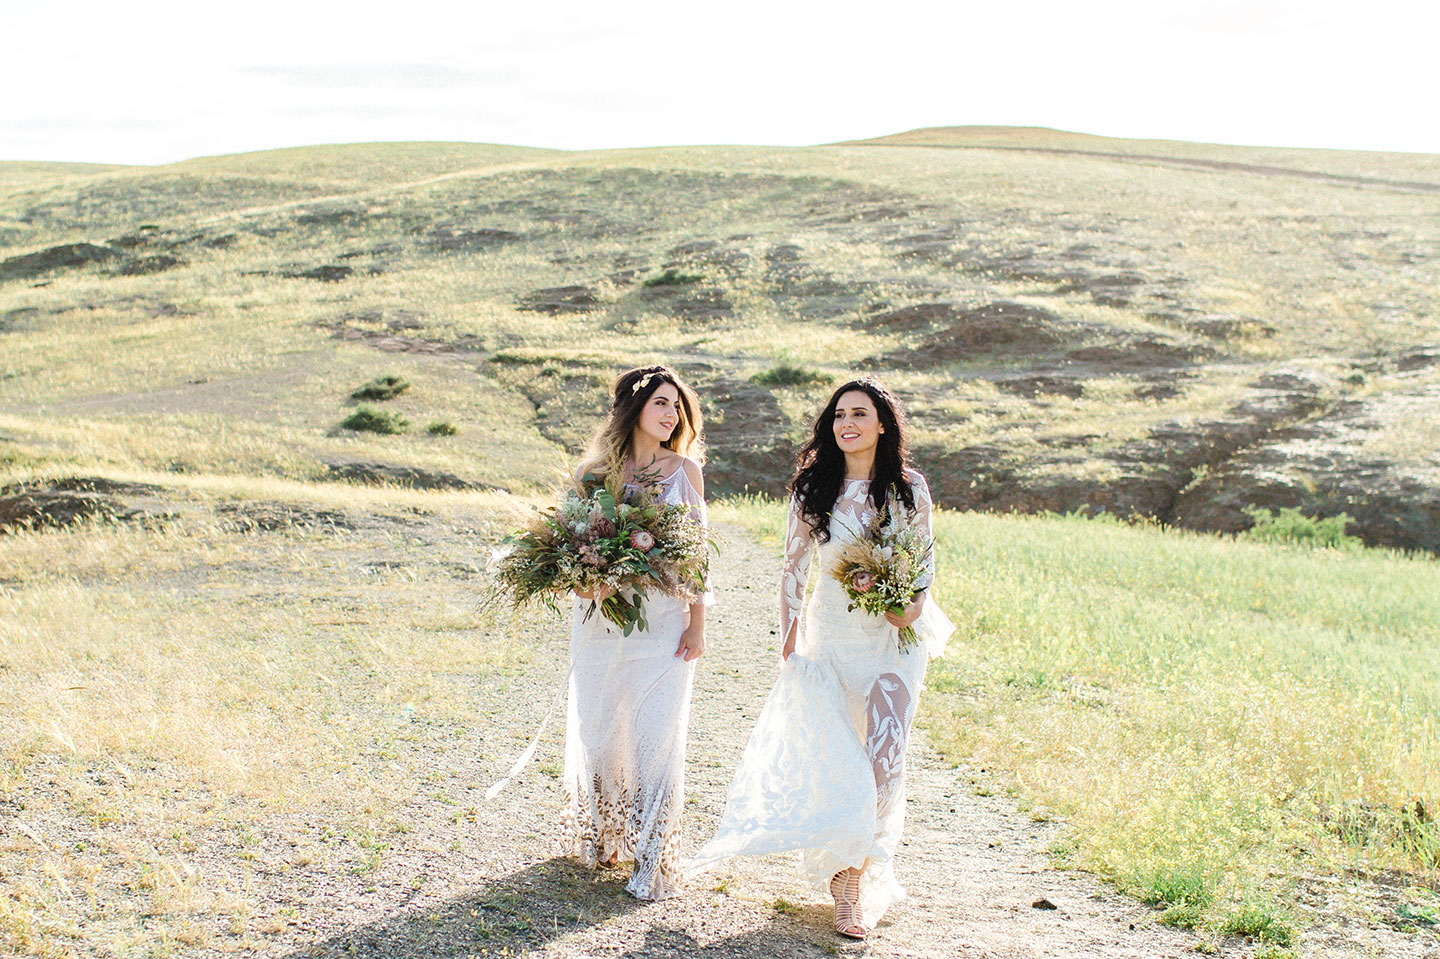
<point>845,888</point>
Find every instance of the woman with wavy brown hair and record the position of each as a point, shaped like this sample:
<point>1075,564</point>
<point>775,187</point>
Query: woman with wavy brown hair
<point>629,696</point>
<point>824,770</point>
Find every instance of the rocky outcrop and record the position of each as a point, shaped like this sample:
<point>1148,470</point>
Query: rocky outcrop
<point>1326,466</point>
<point>380,474</point>
<point>72,500</point>
<point>746,441</point>
<point>30,265</point>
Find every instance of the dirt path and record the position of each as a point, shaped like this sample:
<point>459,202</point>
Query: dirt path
<point>974,866</point>
<point>1200,163</point>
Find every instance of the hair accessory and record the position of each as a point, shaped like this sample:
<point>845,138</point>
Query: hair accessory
<point>643,382</point>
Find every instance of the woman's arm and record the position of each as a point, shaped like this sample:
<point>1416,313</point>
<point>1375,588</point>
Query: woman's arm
<point>921,519</point>
<point>793,576</point>
<point>692,640</point>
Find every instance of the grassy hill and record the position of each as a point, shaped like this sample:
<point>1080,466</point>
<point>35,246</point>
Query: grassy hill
<point>1419,170</point>
<point>1073,330</point>
<point>1240,733</point>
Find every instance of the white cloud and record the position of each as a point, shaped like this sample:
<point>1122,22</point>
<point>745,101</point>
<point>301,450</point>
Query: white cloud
<point>159,81</point>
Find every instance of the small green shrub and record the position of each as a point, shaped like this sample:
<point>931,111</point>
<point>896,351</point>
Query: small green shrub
<point>784,907</point>
<point>1182,886</point>
<point>442,428</point>
<point>1419,915</point>
<point>673,278</point>
<point>1274,952</point>
<point>1292,527</point>
<point>369,419</point>
<point>381,388</point>
<point>788,375</point>
<point>1183,916</point>
<point>1260,923</point>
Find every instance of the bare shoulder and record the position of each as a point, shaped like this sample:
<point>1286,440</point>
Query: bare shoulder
<point>693,473</point>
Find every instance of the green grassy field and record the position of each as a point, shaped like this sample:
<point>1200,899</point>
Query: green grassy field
<point>1224,726</point>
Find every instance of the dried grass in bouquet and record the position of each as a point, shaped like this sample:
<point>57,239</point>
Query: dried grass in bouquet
<point>883,569</point>
<point>604,535</point>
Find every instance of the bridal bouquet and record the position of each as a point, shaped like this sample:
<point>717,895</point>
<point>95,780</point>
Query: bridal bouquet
<point>604,535</point>
<point>884,568</point>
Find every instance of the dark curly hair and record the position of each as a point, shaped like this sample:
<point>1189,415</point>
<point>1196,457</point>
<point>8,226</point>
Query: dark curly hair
<point>820,464</point>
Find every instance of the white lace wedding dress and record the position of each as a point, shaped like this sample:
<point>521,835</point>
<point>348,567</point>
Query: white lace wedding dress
<point>824,769</point>
<point>628,715</point>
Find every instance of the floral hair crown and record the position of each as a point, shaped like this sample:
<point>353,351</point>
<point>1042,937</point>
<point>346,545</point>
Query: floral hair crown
<point>643,382</point>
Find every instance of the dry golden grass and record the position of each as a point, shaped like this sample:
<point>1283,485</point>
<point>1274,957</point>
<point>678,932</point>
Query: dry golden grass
<point>180,685</point>
<point>174,696</point>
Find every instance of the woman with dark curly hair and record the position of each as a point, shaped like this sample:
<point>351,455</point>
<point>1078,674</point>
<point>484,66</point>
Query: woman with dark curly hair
<point>823,772</point>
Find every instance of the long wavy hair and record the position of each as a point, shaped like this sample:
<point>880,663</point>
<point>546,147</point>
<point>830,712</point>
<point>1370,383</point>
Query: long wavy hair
<point>605,456</point>
<point>820,464</point>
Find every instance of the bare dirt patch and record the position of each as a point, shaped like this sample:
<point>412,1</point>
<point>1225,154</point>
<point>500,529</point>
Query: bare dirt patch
<point>67,256</point>
<point>748,448</point>
<point>561,299</point>
<point>956,335</point>
<point>65,502</point>
<point>377,474</point>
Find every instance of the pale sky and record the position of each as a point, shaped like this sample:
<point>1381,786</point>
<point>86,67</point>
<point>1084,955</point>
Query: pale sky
<point>154,82</point>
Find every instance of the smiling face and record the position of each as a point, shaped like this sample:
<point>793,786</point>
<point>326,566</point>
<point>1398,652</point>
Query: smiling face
<point>857,427</point>
<point>661,413</point>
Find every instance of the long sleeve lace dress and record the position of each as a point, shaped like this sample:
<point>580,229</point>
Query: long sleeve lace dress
<point>824,769</point>
<point>626,726</point>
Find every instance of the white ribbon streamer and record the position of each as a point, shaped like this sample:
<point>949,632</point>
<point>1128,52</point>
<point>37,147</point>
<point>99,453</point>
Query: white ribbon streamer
<point>529,752</point>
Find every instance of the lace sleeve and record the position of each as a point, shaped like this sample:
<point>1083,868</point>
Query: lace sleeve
<point>922,519</point>
<point>691,492</point>
<point>799,541</point>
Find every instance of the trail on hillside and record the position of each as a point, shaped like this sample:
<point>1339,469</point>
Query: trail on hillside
<point>1199,163</point>
<point>974,866</point>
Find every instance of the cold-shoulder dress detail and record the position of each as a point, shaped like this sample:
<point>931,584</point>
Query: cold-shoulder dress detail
<point>824,769</point>
<point>626,726</point>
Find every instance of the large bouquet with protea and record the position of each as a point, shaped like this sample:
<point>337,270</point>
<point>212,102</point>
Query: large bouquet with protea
<point>882,569</point>
<point>604,536</point>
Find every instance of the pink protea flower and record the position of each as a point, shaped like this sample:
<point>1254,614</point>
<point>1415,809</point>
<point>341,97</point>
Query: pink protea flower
<point>603,527</point>
<point>862,581</point>
<point>642,540</point>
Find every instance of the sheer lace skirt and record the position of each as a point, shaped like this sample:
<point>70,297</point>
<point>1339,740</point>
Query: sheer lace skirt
<point>627,720</point>
<point>824,769</point>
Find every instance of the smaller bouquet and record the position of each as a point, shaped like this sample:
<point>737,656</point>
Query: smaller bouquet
<point>884,568</point>
<point>604,535</point>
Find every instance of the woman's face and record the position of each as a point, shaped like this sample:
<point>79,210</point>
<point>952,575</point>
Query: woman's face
<point>661,413</point>
<point>857,427</point>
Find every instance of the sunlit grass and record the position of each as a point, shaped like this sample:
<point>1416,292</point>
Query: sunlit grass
<point>1191,706</point>
<point>173,696</point>
<point>1211,718</point>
